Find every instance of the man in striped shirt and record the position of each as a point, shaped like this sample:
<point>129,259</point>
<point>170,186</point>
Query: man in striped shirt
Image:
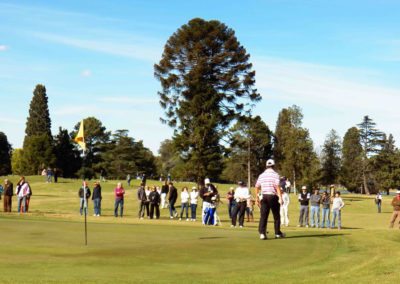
<point>269,197</point>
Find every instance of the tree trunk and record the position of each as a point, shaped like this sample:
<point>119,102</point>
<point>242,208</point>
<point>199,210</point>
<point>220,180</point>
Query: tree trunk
<point>365,183</point>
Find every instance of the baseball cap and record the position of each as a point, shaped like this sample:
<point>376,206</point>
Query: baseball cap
<point>304,187</point>
<point>240,182</point>
<point>270,163</point>
<point>207,181</point>
<point>398,191</point>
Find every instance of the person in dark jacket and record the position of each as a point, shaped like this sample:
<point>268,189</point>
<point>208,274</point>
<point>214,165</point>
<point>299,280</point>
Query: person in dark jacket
<point>83,201</point>
<point>304,199</point>
<point>8,193</point>
<point>141,196</point>
<point>155,199</point>
<point>173,196</point>
<point>96,198</point>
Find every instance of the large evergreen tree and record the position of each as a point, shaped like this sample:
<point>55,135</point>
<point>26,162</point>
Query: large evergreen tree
<point>38,142</point>
<point>371,141</point>
<point>331,158</point>
<point>16,162</point>
<point>207,81</point>
<point>68,157</point>
<point>351,170</point>
<point>5,155</point>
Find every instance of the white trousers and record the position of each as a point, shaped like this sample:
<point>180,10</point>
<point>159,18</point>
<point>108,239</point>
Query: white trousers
<point>163,196</point>
<point>284,215</point>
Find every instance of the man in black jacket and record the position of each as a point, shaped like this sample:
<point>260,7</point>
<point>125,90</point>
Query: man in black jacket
<point>96,197</point>
<point>173,196</point>
<point>155,199</point>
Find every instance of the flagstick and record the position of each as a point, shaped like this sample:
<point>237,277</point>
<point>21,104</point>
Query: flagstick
<point>84,196</point>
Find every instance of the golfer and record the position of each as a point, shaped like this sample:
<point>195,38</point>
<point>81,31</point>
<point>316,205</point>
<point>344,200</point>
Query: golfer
<point>269,199</point>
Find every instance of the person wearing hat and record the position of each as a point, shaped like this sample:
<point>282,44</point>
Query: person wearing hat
<point>208,194</point>
<point>326,204</point>
<point>241,196</point>
<point>8,193</point>
<point>193,203</point>
<point>396,208</point>
<point>304,199</point>
<point>270,199</point>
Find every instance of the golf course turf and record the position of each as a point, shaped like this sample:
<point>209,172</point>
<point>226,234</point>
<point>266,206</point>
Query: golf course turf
<point>47,244</point>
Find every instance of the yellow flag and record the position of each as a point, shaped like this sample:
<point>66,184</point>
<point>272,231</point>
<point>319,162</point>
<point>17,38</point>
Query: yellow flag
<point>80,137</point>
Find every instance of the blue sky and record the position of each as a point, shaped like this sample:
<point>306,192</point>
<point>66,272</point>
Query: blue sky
<point>337,60</point>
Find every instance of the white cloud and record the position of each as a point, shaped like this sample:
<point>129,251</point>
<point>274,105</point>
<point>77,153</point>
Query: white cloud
<point>3,47</point>
<point>330,96</point>
<point>86,73</point>
<point>145,50</point>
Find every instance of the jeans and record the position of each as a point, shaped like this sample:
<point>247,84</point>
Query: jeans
<point>82,202</point>
<point>209,215</point>
<point>97,206</point>
<point>270,203</point>
<point>336,213</point>
<point>193,208</point>
<point>231,208</point>
<point>303,219</point>
<point>185,206</point>
<point>21,203</point>
<point>325,218</point>
<point>315,213</point>
<point>119,203</point>
<point>239,208</point>
<point>172,207</point>
<point>379,205</point>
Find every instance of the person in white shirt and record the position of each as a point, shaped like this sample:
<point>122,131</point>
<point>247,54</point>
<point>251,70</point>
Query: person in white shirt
<point>185,203</point>
<point>378,201</point>
<point>193,203</point>
<point>337,206</point>
<point>241,196</point>
<point>285,209</point>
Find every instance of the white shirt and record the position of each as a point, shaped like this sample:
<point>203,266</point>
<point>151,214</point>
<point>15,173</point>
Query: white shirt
<point>337,203</point>
<point>184,197</point>
<point>24,191</point>
<point>241,193</point>
<point>193,197</point>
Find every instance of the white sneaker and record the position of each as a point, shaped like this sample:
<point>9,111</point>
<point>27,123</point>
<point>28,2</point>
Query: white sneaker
<point>306,226</point>
<point>180,219</point>
<point>240,226</point>
<point>94,215</point>
<point>171,217</point>
<point>232,226</point>
<point>262,237</point>
<point>187,219</point>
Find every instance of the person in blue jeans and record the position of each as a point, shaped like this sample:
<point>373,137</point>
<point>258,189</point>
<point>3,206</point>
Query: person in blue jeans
<point>315,200</point>
<point>185,203</point>
<point>96,198</point>
<point>193,203</point>
<point>326,204</point>
<point>119,193</point>
<point>83,201</point>
<point>337,206</point>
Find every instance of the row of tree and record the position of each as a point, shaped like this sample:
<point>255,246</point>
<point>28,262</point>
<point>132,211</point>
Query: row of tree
<point>114,154</point>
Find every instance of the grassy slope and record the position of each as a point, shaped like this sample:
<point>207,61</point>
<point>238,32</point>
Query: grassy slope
<point>46,245</point>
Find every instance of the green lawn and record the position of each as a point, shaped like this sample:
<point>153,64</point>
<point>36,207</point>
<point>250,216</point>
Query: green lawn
<point>47,245</point>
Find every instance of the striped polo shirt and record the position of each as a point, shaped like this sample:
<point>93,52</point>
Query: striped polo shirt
<point>268,181</point>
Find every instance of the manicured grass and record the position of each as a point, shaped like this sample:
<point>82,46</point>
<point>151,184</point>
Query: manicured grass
<point>47,245</point>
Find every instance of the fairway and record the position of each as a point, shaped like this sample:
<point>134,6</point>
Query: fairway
<point>47,245</point>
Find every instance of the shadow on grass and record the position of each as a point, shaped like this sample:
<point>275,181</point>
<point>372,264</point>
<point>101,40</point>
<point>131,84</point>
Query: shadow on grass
<point>211,238</point>
<point>315,236</point>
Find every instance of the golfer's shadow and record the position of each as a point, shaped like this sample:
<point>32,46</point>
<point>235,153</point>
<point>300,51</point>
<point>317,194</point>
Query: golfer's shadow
<point>314,236</point>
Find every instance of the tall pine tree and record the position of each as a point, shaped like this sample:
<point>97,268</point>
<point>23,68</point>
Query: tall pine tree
<point>351,170</point>
<point>38,143</point>
<point>331,158</point>
<point>207,81</point>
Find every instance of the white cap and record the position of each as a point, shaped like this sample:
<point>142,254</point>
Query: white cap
<point>270,163</point>
<point>398,191</point>
<point>304,187</point>
<point>207,181</point>
<point>193,188</point>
